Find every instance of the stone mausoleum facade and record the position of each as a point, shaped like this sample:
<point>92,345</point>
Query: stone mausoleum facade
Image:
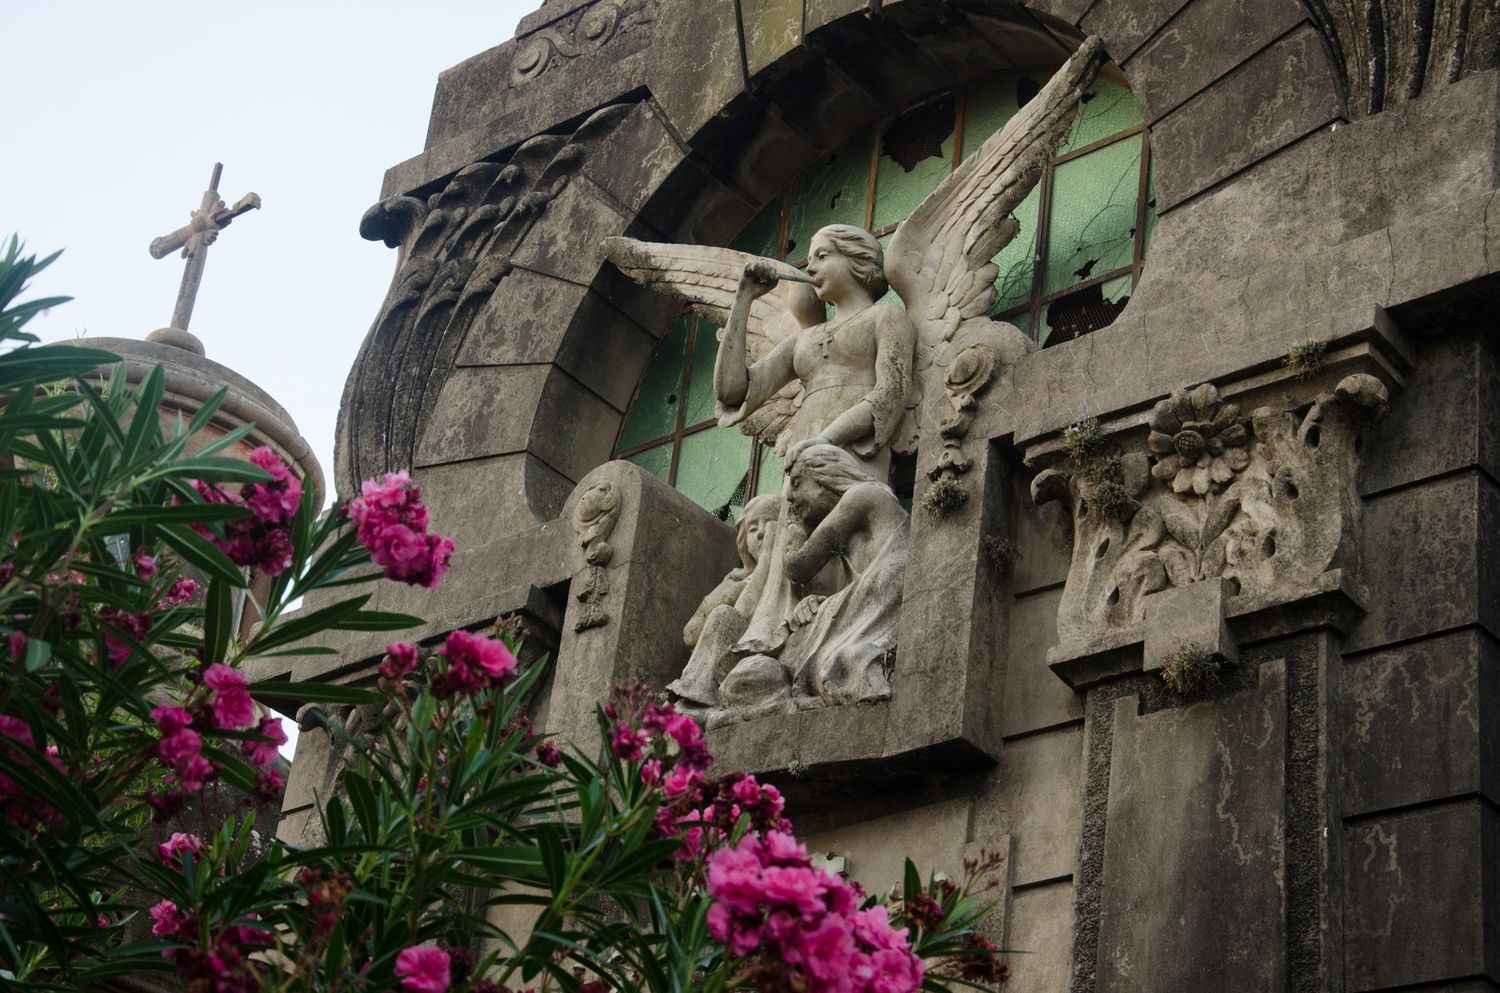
<point>1195,615</point>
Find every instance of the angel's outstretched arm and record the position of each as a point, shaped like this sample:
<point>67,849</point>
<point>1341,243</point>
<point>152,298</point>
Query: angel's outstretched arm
<point>737,383</point>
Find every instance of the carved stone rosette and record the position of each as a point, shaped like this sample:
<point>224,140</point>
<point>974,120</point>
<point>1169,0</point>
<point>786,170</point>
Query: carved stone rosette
<point>1261,509</point>
<point>594,520</point>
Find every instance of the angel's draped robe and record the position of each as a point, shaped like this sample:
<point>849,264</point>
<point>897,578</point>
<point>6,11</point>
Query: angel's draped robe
<point>867,359</point>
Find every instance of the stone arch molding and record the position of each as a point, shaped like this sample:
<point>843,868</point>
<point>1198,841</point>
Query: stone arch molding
<point>505,354</point>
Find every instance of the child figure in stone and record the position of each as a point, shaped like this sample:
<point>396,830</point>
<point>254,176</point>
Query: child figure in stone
<point>721,618</point>
<point>841,646</point>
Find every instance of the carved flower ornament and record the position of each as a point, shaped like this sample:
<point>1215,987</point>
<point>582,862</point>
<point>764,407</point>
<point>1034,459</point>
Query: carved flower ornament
<point>1197,441</point>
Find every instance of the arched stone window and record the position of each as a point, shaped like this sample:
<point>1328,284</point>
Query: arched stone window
<point>1084,231</point>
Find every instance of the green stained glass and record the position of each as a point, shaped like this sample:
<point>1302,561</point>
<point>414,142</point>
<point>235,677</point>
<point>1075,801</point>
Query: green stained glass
<point>1150,208</point>
<point>901,186</point>
<point>769,480</point>
<point>657,461</point>
<point>653,413</point>
<point>832,192</point>
<point>700,401</point>
<point>713,468</point>
<point>1017,261</point>
<point>1108,108</point>
<point>762,236</point>
<point>1092,225</point>
<point>988,106</point>
<point>891,296</point>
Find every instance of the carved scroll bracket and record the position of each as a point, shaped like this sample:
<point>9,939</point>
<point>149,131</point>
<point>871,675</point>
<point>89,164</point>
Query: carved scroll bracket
<point>1258,508</point>
<point>977,359</point>
<point>587,29</point>
<point>594,519</point>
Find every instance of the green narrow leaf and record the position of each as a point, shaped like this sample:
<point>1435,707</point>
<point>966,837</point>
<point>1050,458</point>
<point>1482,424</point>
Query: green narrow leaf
<point>218,619</point>
<point>314,692</point>
<point>200,552</point>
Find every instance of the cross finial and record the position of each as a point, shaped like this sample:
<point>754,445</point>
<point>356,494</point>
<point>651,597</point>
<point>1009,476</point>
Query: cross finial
<point>193,238</point>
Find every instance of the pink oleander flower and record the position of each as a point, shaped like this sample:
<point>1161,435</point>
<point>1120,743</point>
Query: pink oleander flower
<point>804,924</point>
<point>232,705</point>
<point>17,645</point>
<point>268,787</point>
<point>171,719</point>
<point>474,662</point>
<point>172,850</point>
<point>423,969</point>
<point>181,592</point>
<point>548,754</point>
<point>628,743</point>
<point>180,749</point>
<point>263,753</point>
<point>275,502</point>
<point>136,625</point>
<point>263,539</point>
<point>400,659</point>
<point>168,920</point>
<point>391,521</point>
<point>651,772</point>
<point>144,563</point>
<point>681,779</point>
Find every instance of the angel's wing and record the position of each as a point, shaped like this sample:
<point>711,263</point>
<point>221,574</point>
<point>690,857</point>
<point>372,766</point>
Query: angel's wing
<point>706,279</point>
<point>940,260</point>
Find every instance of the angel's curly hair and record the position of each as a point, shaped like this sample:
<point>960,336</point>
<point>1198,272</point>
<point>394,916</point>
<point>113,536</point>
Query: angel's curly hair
<point>866,257</point>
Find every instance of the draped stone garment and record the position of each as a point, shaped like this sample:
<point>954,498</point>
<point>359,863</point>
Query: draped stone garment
<point>844,655</point>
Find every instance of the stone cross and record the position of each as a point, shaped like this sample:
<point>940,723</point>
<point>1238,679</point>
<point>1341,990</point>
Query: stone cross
<point>194,237</point>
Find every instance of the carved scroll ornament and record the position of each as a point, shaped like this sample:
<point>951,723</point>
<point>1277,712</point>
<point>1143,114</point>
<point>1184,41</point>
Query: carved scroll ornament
<point>594,520</point>
<point>1265,502</point>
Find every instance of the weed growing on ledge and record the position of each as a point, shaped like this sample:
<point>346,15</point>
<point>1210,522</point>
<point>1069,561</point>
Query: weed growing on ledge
<point>1190,670</point>
<point>1305,358</point>
<point>1082,441</point>
<point>944,496</point>
<point>1001,553</point>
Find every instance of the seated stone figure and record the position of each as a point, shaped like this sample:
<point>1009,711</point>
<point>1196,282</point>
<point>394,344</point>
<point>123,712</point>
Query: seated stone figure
<point>720,619</point>
<point>841,646</point>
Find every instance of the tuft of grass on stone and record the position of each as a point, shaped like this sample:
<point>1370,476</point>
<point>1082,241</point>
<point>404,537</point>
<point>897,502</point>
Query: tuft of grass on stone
<point>1106,477</point>
<point>1002,553</point>
<point>1189,671</point>
<point>1083,441</point>
<point>944,496</point>
<point>1305,358</point>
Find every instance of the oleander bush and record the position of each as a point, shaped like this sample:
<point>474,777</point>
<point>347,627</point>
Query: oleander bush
<point>461,850</point>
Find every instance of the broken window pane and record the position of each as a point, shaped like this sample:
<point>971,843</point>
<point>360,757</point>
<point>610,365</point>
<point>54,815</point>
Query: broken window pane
<point>1017,261</point>
<point>769,480</point>
<point>700,402</point>
<point>916,153</point>
<point>1092,225</point>
<point>762,236</point>
<point>832,192</point>
<point>654,412</point>
<point>1107,109</point>
<point>713,467</point>
<point>657,461</point>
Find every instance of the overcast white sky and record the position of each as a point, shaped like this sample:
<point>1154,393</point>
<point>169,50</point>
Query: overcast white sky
<point>117,112</point>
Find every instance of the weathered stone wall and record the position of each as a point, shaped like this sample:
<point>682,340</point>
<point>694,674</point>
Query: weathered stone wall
<point>1327,818</point>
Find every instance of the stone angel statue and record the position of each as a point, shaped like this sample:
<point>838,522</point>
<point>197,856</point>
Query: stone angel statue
<point>794,377</point>
<point>788,374</point>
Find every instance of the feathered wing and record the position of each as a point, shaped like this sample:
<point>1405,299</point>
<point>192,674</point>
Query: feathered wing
<point>706,279</point>
<point>940,260</point>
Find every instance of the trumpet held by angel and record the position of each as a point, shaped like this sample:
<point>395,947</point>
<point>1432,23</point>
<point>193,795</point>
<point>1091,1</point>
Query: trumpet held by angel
<point>791,375</point>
